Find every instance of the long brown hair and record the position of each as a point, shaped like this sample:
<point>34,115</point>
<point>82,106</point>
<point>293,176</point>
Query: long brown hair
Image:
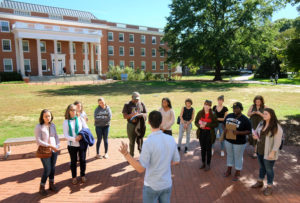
<point>67,113</point>
<point>41,119</point>
<point>259,97</point>
<point>273,123</point>
<point>202,112</point>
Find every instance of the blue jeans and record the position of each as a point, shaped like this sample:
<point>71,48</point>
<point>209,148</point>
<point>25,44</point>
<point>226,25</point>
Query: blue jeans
<point>152,196</point>
<point>235,154</point>
<point>102,132</point>
<point>49,168</point>
<point>219,132</point>
<point>266,167</point>
<point>188,134</point>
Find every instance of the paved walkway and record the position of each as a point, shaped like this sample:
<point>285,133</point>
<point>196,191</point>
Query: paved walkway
<point>113,180</point>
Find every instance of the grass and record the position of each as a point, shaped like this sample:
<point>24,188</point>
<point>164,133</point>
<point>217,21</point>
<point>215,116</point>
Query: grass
<point>21,103</point>
<point>295,81</point>
<point>205,77</point>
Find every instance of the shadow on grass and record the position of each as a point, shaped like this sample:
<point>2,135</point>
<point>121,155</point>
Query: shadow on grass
<point>126,88</point>
<point>291,129</point>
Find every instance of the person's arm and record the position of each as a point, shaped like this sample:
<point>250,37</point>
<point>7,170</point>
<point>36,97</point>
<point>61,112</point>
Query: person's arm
<point>125,114</point>
<point>197,120</point>
<point>250,113</point>
<point>181,114</point>
<point>66,132</point>
<point>84,125</point>
<point>176,156</point>
<point>193,115</point>
<point>56,137</point>
<point>38,136</point>
<point>144,112</point>
<point>222,119</point>
<point>134,163</point>
<point>109,113</point>
<point>172,121</point>
<point>277,139</point>
<point>214,122</point>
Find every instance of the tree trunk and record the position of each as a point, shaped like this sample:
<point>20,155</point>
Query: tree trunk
<point>218,76</point>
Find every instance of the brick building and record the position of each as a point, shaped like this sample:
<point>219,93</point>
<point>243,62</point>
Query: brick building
<point>42,40</point>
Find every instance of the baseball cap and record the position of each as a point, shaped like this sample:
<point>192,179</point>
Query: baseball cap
<point>135,95</point>
<point>237,105</point>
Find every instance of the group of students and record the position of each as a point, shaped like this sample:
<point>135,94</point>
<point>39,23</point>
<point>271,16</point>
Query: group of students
<point>233,130</point>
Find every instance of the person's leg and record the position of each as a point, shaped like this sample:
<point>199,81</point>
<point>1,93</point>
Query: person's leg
<point>229,158</point>
<point>181,131</point>
<point>105,138</point>
<point>82,159</point>
<point>99,138</point>
<point>203,147</point>
<point>269,170</point>
<point>52,173</point>
<point>132,137</point>
<point>238,150</point>
<point>217,136</point>
<point>188,135</point>
<point>73,156</point>
<point>47,170</point>
<point>208,147</point>
<point>220,134</point>
<point>262,172</point>
<point>149,195</point>
<point>165,195</point>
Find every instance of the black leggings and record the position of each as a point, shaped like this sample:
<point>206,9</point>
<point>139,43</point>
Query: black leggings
<point>205,143</point>
<point>73,151</point>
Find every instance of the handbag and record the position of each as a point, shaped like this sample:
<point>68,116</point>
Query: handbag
<point>44,152</point>
<point>178,120</point>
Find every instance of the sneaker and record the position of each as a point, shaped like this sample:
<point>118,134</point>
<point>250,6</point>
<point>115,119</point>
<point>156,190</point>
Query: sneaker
<point>212,152</point>
<point>228,172</point>
<point>236,176</point>
<point>185,150</point>
<point>105,156</point>
<point>258,184</point>
<point>74,181</point>
<point>207,168</point>
<point>268,191</point>
<point>222,153</point>
<point>98,156</point>
<point>202,166</point>
<point>83,179</point>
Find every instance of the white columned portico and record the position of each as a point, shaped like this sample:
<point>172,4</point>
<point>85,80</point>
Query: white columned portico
<point>55,58</point>
<point>39,56</point>
<point>17,55</point>
<point>22,68</point>
<point>86,58</point>
<point>92,58</point>
<point>71,57</point>
<point>99,59</point>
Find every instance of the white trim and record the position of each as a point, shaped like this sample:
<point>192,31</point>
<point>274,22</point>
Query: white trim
<point>75,23</point>
<point>46,65</point>
<point>59,43</point>
<point>83,49</point>
<point>73,48</point>
<point>41,42</point>
<point>132,38</point>
<point>108,36</point>
<point>28,46</point>
<point>120,50</point>
<point>112,50</point>
<point>142,66</point>
<point>12,65</point>
<point>8,25</point>
<point>29,65</point>
<point>144,39</point>
<point>121,33</point>
<point>153,37</point>
<point>10,48</point>
<point>112,64</point>
<point>152,52</point>
<point>160,65</point>
<point>161,42</point>
<point>131,48</point>
<point>144,52</point>
<point>163,51</point>
<point>132,64</point>
<point>152,65</point>
<point>123,64</point>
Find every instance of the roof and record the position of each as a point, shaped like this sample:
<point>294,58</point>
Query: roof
<point>16,5</point>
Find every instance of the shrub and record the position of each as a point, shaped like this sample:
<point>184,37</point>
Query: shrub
<point>10,76</point>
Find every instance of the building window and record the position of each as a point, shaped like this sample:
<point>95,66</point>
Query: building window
<point>97,65</point>
<point>55,17</point>
<point>169,66</point>
<point>131,51</point>
<point>153,52</point>
<point>74,65</point>
<point>131,64</point>
<point>27,65</point>
<point>44,65</point>
<point>59,47</point>
<point>162,65</point>
<point>143,65</point>
<point>25,45</point>
<point>83,48</point>
<point>110,36</point>
<point>121,51</point>
<point>43,46</point>
<point>22,13</point>
<point>121,37</point>
<point>153,65</point>
<point>88,63</point>
<point>111,63</point>
<point>143,52</point>
<point>143,39</point>
<point>122,64</point>
<point>5,26</point>
<point>84,20</point>
<point>6,45</point>
<point>162,42</point>
<point>8,65</point>
<point>162,53</point>
<point>131,38</point>
<point>153,40</point>
<point>97,48</point>
<point>74,48</point>
<point>110,50</point>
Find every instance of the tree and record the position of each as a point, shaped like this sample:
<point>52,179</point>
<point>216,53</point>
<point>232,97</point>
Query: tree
<point>208,32</point>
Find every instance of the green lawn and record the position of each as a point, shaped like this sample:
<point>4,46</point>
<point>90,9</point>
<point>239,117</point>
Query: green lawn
<point>22,103</point>
<point>295,81</point>
<point>204,77</point>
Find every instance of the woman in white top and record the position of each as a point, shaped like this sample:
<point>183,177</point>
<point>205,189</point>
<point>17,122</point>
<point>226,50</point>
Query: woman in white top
<point>71,127</point>
<point>168,116</point>
<point>80,112</point>
<point>46,136</point>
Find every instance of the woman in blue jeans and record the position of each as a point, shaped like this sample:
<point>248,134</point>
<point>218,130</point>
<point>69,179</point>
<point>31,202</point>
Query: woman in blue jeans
<point>102,116</point>
<point>46,136</point>
<point>237,127</point>
<point>269,136</point>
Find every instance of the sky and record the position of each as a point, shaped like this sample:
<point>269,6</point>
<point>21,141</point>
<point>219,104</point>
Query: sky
<point>151,13</point>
